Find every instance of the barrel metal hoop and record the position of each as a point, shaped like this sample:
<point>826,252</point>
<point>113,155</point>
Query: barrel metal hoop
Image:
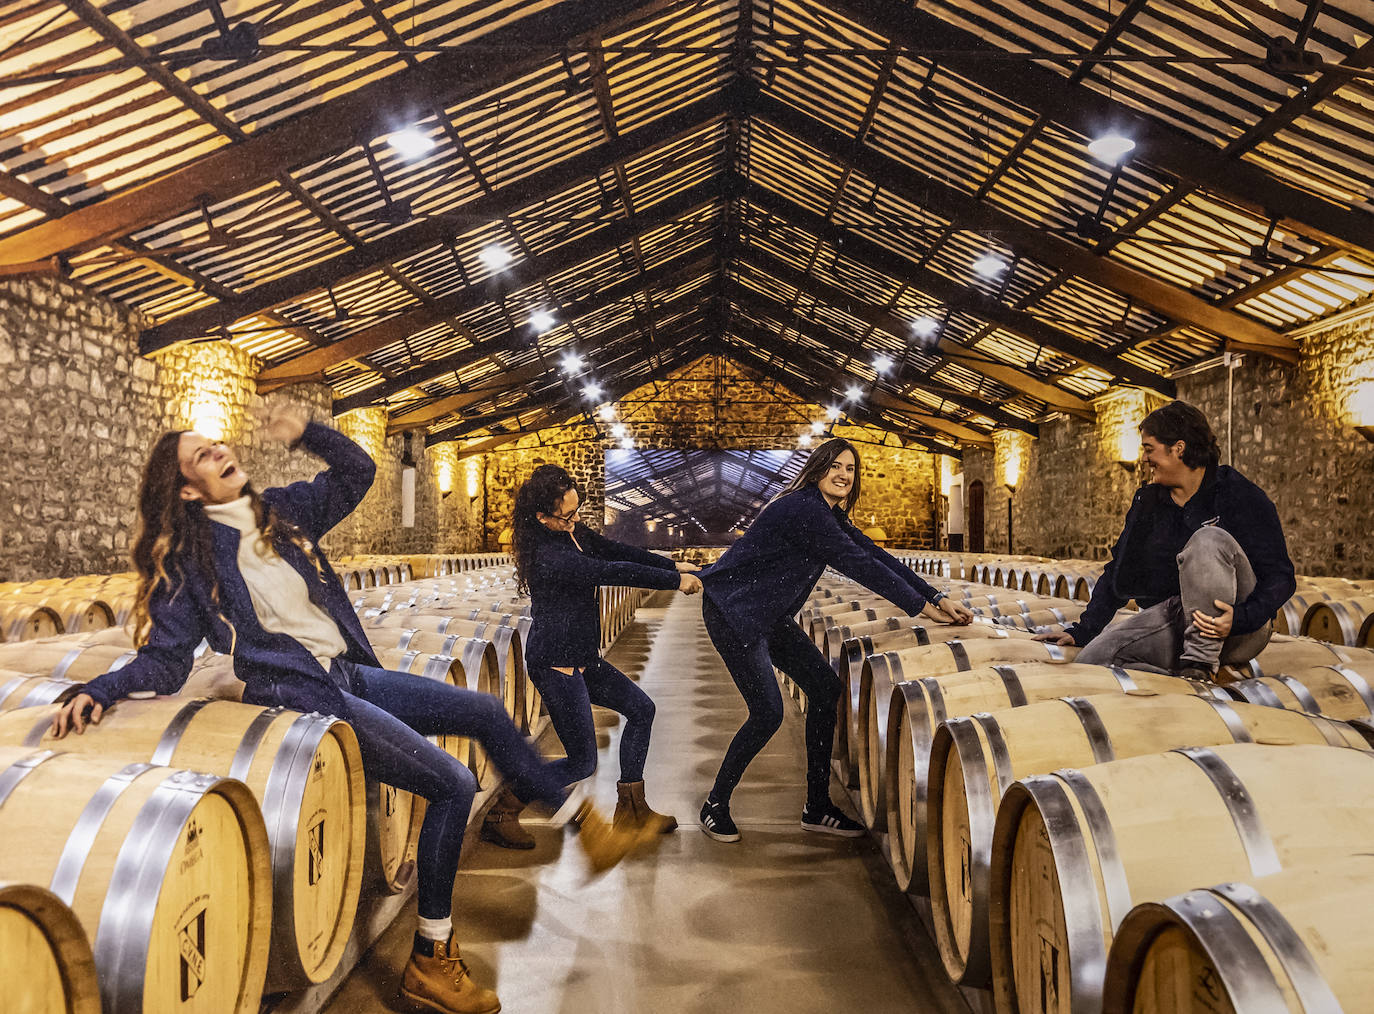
<point>281,797</point>
<point>10,686</point>
<point>1115,885</point>
<point>982,814</point>
<point>923,637</point>
<point>248,745</point>
<point>1360,684</point>
<point>1001,756</point>
<point>1123,677</point>
<point>960,653</point>
<point>126,919</point>
<point>1304,696</point>
<point>1016,693</point>
<point>1054,651</point>
<point>45,693</point>
<point>1082,910</point>
<point>1311,987</point>
<point>1234,725</point>
<point>403,642</point>
<point>19,770</point>
<point>473,653</point>
<point>408,660</point>
<point>444,622</point>
<point>61,668</point>
<point>437,668</point>
<point>1244,972</point>
<point>1099,739</point>
<point>176,728</point>
<point>1258,693</point>
<point>937,698</point>
<point>1330,730</point>
<point>78,846</point>
<point>1259,847</point>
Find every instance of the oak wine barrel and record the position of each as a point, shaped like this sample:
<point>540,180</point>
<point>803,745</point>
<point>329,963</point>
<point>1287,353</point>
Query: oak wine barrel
<point>48,965</point>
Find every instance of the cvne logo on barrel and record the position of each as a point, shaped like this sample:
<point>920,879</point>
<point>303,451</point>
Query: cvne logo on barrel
<point>191,942</point>
<point>316,866</point>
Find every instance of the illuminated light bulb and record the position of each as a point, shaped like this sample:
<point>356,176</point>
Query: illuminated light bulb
<point>572,362</point>
<point>854,392</point>
<point>883,363</point>
<point>411,143</point>
<point>818,428</point>
<point>606,412</point>
<point>1111,147</point>
<point>832,413</point>
<point>495,257</point>
<point>989,265</point>
<point>804,440</point>
<point>542,321</point>
<point>620,431</point>
<point>592,391</point>
<point>925,327</point>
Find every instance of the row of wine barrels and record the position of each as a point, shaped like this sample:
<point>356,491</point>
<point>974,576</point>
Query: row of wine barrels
<point>304,771</point>
<point>167,871</point>
<point>25,621</point>
<point>473,669</point>
<point>918,707</point>
<point>1290,942</point>
<point>1349,621</point>
<point>1075,851</point>
<point>975,758</point>
<point>49,965</point>
<point>1343,691</point>
<point>77,659</point>
<point>21,690</point>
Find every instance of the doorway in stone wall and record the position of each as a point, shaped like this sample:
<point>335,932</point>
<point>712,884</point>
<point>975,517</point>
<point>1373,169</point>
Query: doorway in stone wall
<point>663,498</point>
<point>975,516</point>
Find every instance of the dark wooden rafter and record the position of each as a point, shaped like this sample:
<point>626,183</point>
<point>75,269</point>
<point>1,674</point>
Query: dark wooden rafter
<point>1085,110</point>
<point>524,376</point>
<point>969,213</point>
<point>962,299</point>
<point>436,229</point>
<point>880,398</point>
<point>312,365</point>
<point>667,275</point>
<point>369,110</point>
<point>768,306</point>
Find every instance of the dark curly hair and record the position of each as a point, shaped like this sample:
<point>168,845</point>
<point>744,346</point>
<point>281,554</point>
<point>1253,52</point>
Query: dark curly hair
<point>541,493</point>
<point>1180,421</point>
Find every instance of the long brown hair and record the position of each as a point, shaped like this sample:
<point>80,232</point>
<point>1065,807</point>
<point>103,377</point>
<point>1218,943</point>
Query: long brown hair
<point>541,493</point>
<point>819,463</point>
<point>174,534</point>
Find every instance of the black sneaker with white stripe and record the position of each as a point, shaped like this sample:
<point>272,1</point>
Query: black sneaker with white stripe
<point>716,822</point>
<point>831,820</point>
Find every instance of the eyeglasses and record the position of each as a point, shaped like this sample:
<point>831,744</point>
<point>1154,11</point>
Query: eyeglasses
<point>568,516</point>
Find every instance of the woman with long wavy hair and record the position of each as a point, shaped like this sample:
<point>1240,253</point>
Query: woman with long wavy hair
<point>220,561</point>
<point>560,563</point>
<point>753,594</point>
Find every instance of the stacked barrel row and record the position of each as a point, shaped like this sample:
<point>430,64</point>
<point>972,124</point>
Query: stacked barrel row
<point>358,572</point>
<point>1054,813</point>
<point>64,605</point>
<point>235,818</point>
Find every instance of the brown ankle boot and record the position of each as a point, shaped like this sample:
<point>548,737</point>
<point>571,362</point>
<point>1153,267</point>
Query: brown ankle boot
<point>502,826</point>
<point>442,983</point>
<point>605,844</point>
<point>632,810</point>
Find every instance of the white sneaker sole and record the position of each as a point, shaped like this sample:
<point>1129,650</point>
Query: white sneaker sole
<point>838,832</point>
<point>719,835</point>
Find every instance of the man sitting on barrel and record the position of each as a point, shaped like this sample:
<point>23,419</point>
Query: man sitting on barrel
<point>1203,555</point>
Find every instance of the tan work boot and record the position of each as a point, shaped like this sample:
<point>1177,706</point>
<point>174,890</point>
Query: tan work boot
<point>502,826</point>
<point>442,983</point>
<point>603,843</point>
<point>631,810</point>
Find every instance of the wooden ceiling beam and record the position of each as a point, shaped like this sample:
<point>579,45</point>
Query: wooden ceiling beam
<point>328,127</point>
<point>965,212</point>
<point>313,364</point>
<point>1087,111</point>
<point>431,370</point>
<point>965,299</point>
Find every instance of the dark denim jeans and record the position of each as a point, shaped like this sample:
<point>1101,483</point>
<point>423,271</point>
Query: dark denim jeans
<point>751,667</point>
<point>569,699</point>
<point>392,713</point>
<point>1164,637</point>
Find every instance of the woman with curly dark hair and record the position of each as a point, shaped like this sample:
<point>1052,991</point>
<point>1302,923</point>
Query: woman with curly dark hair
<point>753,594</point>
<point>561,562</point>
<point>219,561</point>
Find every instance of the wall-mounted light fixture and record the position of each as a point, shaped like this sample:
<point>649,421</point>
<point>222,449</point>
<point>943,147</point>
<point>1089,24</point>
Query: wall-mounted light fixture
<point>1361,409</point>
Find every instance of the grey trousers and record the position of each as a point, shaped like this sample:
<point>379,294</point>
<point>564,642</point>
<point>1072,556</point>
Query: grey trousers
<point>1164,638</point>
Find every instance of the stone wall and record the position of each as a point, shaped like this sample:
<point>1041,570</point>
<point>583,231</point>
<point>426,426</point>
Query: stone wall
<point>83,408</point>
<point>576,448</point>
<point>1288,428</point>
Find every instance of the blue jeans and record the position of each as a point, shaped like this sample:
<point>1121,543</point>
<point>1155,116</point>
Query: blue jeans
<point>392,713</point>
<point>569,699</point>
<point>751,667</point>
<point>1164,638</point>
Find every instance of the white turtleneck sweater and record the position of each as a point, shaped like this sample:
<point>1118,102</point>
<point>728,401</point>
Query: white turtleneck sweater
<point>278,591</point>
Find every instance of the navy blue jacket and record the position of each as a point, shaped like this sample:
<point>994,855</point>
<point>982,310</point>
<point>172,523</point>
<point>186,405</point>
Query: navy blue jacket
<point>567,623</point>
<point>275,667</point>
<point>1230,501</point>
<point>767,575</point>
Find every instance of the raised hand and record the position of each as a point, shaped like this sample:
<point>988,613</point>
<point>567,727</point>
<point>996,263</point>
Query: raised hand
<point>283,422</point>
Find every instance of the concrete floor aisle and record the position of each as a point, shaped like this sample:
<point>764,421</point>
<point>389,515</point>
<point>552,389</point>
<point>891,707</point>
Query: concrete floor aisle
<point>784,921</point>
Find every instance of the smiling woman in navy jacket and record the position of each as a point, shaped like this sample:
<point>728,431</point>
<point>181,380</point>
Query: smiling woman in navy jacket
<point>752,596</point>
<point>217,560</point>
<point>561,562</point>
